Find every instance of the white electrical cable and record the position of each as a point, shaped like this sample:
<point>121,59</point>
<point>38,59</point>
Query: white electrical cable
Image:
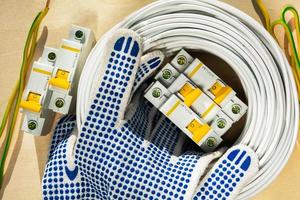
<point>218,28</point>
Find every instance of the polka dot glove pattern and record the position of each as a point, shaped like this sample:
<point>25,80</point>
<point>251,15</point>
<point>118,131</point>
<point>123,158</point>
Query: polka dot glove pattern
<point>229,175</point>
<point>123,150</point>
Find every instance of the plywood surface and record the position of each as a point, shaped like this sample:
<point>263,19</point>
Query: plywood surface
<point>26,165</point>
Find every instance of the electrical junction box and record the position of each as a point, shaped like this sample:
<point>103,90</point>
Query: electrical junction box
<point>53,81</point>
<point>196,100</point>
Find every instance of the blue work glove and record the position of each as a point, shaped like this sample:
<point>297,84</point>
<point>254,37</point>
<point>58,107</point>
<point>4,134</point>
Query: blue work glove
<point>123,150</point>
<point>233,171</point>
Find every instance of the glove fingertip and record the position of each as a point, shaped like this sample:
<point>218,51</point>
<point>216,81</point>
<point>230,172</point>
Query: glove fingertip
<point>153,59</point>
<point>149,63</point>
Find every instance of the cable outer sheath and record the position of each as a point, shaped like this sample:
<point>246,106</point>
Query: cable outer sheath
<point>218,28</point>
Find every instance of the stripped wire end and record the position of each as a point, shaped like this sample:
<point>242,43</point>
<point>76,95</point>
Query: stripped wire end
<point>47,4</point>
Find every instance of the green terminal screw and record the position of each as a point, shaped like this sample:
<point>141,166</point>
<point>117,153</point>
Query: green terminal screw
<point>211,142</point>
<point>181,60</point>
<point>79,35</point>
<point>32,125</point>
<point>167,74</point>
<point>51,56</point>
<point>221,123</point>
<point>59,103</point>
<point>236,108</point>
<point>156,92</point>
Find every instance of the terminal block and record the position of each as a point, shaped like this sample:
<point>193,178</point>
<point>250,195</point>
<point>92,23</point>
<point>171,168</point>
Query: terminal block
<point>53,81</point>
<point>200,111</point>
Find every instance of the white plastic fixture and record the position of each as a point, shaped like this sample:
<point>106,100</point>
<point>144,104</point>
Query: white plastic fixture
<point>189,91</point>
<point>71,57</point>
<point>53,81</point>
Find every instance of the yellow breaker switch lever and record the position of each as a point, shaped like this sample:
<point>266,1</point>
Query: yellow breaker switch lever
<point>220,92</point>
<point>60,80</point>
<point>198,130</point>
<point>32,103</point>
<point>190,94</point>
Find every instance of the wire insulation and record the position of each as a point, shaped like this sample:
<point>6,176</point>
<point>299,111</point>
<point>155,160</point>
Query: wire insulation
<point>293,50</point>
<point>12,108</point>
<point>218,28</point>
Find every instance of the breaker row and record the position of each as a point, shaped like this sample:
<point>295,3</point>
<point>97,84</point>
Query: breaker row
<point>52,82</point>
<point>196,100</point>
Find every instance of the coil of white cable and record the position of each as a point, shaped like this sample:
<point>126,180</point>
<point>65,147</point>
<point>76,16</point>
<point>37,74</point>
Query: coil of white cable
<point>218,28</point>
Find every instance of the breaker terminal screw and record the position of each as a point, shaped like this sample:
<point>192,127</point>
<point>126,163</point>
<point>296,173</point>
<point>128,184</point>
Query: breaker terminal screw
<point>167,74</point>
<point>221,123</point>
<point>211,142</point>
<point>156,92</point>
<point>32,125</point>
<point>181,60</point>
<point>236,109</point>
<point>59,103</point>
<point>79,35</point>
<point>51,56</point>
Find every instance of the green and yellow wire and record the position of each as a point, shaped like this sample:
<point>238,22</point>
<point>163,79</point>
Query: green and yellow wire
<point>295,62</point>
<point>12,108</point>
<point>294,48</point>
<point>265,13</point>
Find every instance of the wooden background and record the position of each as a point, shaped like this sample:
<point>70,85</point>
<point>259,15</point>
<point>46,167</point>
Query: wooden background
<point>25,166</point>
